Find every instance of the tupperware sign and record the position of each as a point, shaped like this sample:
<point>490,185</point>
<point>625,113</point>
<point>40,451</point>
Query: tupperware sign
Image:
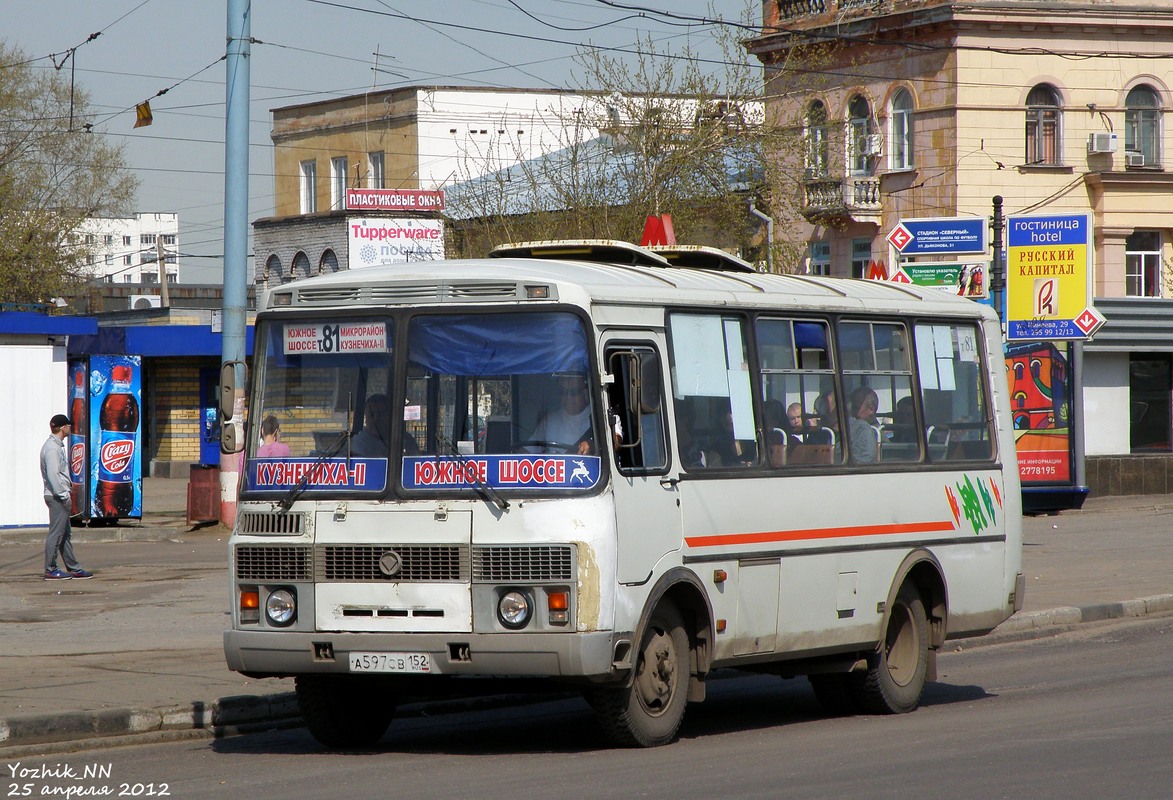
<point>376,241</point>
<point>341,337</point>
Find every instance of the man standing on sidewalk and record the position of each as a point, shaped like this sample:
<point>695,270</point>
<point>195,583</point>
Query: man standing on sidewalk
<point>58,486</point>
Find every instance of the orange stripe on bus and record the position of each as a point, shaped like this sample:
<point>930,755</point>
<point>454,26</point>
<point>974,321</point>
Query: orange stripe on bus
<point>820,533</point>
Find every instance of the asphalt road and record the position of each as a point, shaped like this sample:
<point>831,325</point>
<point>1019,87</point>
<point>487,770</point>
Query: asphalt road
<point>1087,713</point>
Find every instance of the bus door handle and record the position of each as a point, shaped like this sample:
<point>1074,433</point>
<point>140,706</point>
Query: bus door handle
<point>669,483</point>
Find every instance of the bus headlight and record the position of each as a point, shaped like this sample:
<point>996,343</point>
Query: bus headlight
<point>514,609</point>
<point>281,608</point>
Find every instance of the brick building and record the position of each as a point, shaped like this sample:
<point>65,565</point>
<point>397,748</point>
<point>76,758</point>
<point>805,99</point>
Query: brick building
<point>928,108</point>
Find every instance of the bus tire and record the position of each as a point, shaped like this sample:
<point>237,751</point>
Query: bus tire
<point>648,713</point>
<point>343,712</point>
<point>895,677</point>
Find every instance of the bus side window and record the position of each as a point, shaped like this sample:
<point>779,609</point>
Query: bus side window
<point>957,416</point>
<point>635,409</point>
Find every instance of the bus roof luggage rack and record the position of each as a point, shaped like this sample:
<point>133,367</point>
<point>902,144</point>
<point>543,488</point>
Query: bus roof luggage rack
<point>695,256</point>
<point>606,251</point>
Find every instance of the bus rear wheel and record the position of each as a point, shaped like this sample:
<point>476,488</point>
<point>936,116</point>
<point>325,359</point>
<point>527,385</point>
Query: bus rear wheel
<point>342,711</point>
<point>895,677</point>
<point>648,713</point>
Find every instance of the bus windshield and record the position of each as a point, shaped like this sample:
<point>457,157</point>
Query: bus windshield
<point>496,385</point>
<point>321,412</point>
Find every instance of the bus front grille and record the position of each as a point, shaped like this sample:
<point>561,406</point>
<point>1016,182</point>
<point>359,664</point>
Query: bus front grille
<point>271,563</point>
<point>400,563</point>
<point>281,524</point>
<point>522,564</point>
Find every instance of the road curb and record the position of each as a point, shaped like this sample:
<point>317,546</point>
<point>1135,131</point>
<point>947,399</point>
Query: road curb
<point>223,717</point>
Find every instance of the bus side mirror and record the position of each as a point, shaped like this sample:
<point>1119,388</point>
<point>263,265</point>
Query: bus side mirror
<point>647,388</point>
<point>228,389</point>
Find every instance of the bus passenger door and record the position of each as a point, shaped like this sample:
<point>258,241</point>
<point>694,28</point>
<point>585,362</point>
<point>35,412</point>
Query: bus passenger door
<point>647,514</point>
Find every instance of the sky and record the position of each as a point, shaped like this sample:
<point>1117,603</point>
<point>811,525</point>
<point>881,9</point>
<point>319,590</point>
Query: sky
<point>304,51</point>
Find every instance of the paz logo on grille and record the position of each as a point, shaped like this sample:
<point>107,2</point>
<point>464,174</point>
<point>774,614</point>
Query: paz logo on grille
<point>390,563</point>
<point>116,455</point>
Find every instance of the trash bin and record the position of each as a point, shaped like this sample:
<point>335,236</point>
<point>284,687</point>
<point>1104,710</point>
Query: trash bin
<point>203,494</point>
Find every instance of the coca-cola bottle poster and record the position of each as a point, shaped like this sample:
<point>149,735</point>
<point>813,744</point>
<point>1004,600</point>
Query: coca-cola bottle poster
<point>115,432</point>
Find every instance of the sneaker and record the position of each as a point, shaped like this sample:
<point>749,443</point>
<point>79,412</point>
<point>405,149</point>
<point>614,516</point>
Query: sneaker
<point>80,574</point>
<point>57,575</point>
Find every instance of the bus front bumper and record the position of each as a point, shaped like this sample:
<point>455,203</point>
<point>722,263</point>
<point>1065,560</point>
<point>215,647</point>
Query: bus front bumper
<point>286,653</point>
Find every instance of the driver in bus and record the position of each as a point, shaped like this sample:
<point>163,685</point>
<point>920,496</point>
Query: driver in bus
<point>568,425</point>
<point>372,439</point>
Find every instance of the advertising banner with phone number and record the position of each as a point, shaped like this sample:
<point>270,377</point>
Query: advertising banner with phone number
<point>1040,397</point>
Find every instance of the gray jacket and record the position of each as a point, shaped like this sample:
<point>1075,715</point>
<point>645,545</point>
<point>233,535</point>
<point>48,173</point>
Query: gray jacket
<point>55,469</point>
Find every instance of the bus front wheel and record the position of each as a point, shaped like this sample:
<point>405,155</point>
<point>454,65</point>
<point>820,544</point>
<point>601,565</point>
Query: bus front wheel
<point>895,677</point>
<point>649,711</point>
<point>342,711</point>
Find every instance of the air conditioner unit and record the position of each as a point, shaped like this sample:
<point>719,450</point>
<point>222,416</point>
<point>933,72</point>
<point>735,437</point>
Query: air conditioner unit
<point>1102,143</point>
<point>141,301</point>
<point>1133,159</point>
<point>872,144</point>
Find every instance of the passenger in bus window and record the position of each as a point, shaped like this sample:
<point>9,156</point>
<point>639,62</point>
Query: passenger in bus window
<point>568,425</point>
<point>727,450</point>
<point>903,421</point>
<point>826,421</point>
<point>372,439</point>
<point>862,437</point>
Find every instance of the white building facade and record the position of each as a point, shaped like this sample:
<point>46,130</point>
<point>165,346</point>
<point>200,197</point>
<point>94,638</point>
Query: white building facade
<point>125,249</point>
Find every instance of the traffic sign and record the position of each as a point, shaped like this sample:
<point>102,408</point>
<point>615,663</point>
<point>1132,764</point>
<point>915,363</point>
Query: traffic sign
<point>940,236</point>
<point>900,237</point>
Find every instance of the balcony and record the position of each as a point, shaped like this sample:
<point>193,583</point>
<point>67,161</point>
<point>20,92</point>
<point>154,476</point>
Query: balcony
<point>855,198</point>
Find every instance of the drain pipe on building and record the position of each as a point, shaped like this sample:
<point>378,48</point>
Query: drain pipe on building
<point>753,209</point>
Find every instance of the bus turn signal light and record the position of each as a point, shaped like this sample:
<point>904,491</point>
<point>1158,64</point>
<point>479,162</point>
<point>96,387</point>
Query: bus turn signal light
<point>250,605</point>
<point>559,605</point>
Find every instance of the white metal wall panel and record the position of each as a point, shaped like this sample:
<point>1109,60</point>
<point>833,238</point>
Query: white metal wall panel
<point>33,390</point>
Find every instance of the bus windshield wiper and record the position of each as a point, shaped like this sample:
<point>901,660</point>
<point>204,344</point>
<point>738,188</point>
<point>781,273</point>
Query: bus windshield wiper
<point>483,489</point>
<point>297,489</point>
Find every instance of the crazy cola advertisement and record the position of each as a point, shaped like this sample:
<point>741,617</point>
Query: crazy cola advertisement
<point>114,437</point>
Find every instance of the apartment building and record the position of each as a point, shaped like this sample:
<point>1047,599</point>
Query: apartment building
<point>913,109</point>
<point>125,249</point>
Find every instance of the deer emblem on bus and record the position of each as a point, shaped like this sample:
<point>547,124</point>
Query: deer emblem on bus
<point>580,472</point>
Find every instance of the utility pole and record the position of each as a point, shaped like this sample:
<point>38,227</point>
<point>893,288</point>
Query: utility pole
<point>236,87</point>
<point>997,268</point>
<point>164,293</point>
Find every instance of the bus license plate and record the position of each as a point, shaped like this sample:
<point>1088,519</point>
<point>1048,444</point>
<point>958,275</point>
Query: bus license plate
<point>390,662</point>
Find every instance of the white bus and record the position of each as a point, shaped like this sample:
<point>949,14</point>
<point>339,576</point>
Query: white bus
<point>594,464</point>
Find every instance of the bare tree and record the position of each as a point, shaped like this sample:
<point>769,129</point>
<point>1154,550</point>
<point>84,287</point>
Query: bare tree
<point>54,173</point>
<point>664,134</point>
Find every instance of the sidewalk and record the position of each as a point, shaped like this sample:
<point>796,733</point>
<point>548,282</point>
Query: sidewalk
<point>138,649</point>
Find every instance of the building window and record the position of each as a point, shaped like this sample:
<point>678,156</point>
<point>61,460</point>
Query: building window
<point>338,168</point>
<point>1150,388</point>
<point>108,240</point>
<point>147,238</point>
<point>328,263</point>
<point>128,260</point>
<point>820,259</point>
<point>309,187</point>
<point>300,267</point>
<point>1042,127</point>
<point>861,256</point>
<point>376,176</point>
<point>1142,264</point>
<point>168,238</point>
<point>816,140</point>
<point>126,241</point>
<point>861,144</point>
<point>1142,125</point>
<point>900,131</point>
